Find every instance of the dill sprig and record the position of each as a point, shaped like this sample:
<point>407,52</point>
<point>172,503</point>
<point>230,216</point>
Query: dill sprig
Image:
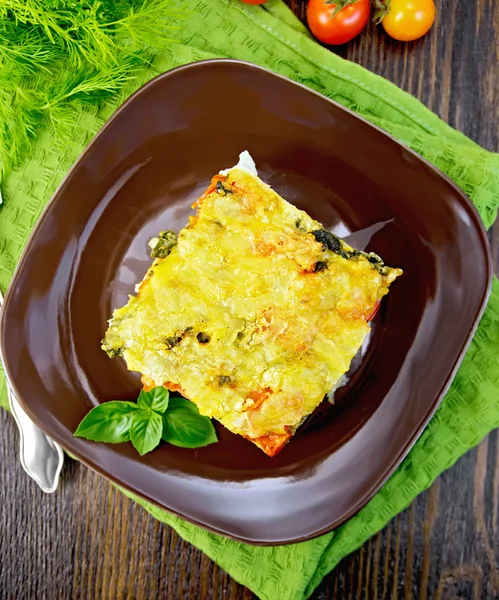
<point>57,54</point>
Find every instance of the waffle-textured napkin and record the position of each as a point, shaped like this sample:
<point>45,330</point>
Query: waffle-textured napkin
<point>272,37</point>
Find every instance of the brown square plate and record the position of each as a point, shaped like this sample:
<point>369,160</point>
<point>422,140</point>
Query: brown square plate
<point>140,175</point>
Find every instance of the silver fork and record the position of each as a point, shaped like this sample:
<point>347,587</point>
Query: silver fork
<point>41,457</point>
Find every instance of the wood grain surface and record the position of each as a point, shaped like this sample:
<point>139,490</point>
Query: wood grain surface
<point>88,541</point>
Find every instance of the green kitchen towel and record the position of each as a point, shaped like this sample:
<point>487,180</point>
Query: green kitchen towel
<point>272,37</point>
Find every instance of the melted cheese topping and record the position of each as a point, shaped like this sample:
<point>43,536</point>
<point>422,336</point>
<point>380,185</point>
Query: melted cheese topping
<point>249,316</point>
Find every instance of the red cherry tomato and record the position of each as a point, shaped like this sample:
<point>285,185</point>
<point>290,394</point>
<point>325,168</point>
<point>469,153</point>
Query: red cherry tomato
<point>337,23</point>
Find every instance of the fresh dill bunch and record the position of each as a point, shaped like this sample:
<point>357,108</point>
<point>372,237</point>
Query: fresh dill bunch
<point>86,30</point>
<point>57,54</point>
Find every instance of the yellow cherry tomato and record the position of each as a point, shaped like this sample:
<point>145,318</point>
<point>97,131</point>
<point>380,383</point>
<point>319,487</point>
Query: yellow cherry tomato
<point>408,20</point>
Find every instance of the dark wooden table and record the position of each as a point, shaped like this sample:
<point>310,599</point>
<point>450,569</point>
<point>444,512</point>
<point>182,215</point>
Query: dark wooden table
<point>88,541</point>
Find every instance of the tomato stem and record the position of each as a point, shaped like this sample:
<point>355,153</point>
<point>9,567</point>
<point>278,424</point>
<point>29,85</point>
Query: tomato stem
<point>381,9</point>
<point>339,5</point>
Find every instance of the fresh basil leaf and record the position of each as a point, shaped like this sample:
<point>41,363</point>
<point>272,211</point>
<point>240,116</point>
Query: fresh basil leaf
<point>109,422</point>
<point>146,429</point>
<point>155,399</point>
<point>183,425</point>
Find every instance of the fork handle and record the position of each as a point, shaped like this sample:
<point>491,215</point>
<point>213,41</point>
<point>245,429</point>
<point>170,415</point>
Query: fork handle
<point>41,457</point>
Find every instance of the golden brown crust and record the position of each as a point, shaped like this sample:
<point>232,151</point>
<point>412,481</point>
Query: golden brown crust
<point>273,443</point>
<point>263,410</point>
